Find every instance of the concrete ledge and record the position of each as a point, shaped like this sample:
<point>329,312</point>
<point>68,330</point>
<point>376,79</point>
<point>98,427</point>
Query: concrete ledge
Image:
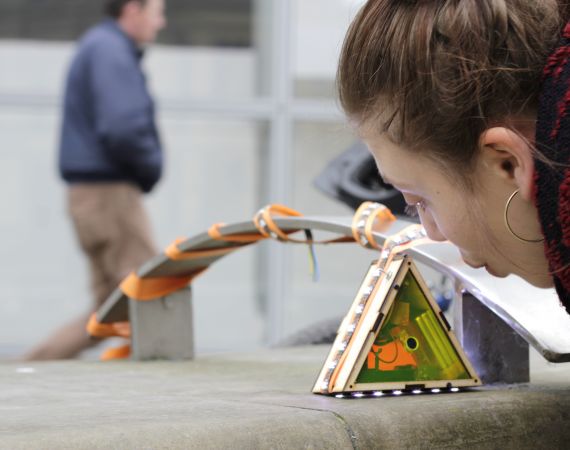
<point>262,400</point>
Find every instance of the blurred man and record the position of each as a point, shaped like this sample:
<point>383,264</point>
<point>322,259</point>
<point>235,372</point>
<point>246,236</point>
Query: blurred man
<point>110,154</point>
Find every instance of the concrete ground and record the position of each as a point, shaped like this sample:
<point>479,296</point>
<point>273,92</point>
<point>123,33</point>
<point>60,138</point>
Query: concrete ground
<point>263,400</point>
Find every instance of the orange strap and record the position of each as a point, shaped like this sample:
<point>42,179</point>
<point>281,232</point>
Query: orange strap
<point>214,233</point>
<point>385,218</point>
<point>263,221</point>
<point>122,352</point>
<point>105,330</point>
<point>370,217</point>
<point>144,289</point>
<point>174,253</point>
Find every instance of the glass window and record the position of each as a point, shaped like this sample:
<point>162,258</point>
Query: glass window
<point>342,266</point>
<point>213,174</point>
<point>318,29</point>
<point>225,23</point>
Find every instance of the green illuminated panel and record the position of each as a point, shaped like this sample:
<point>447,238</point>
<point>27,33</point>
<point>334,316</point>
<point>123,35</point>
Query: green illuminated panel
<point>411,344</point>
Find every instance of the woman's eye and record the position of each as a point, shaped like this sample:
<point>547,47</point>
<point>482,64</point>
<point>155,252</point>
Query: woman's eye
<point>414,209</point>
<point>411,210</point>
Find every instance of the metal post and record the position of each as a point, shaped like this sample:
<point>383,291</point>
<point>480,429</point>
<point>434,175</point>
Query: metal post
<point>162,328</point>
<point>497,352</point>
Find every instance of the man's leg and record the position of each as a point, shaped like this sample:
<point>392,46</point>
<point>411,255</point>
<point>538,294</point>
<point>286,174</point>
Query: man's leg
<point>66,342</point>
<point>115,234</point>
<point>135,243</point>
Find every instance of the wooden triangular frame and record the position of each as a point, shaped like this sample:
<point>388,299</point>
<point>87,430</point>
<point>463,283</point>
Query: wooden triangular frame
<point>369,313</point>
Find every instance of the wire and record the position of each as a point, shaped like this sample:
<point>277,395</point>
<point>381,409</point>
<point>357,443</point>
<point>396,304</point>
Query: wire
<point>313,261</point>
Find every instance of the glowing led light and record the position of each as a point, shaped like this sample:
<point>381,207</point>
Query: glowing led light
<point>436,391</point>
<point>339,396</point>
<point>325,385</point>
<point>417,391</point>
<point>378,394</point>
<point>343,345</point>
<point>351,327</point>
<point>359,309</point>
<point>397,392</point>
<point>368,290</point>
<point>454,389</point>
<point>358,395</point>
<point>333,364</point>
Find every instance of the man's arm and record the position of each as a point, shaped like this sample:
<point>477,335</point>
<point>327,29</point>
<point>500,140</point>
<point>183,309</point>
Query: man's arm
<point>124,115</point>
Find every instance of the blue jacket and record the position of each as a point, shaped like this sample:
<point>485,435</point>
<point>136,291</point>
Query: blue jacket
<point>109,132</point>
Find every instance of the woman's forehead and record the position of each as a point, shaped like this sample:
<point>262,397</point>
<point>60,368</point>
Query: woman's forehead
<point>399,166</point>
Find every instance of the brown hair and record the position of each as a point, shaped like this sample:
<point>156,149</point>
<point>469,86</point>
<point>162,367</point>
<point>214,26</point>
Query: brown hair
<point>436,73</point>
<point>114,8</point>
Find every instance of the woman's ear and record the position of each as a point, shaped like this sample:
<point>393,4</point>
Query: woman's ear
<point>509,156</point>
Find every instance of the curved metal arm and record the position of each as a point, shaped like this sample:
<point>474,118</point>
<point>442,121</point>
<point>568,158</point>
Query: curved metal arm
<point>535,314</point>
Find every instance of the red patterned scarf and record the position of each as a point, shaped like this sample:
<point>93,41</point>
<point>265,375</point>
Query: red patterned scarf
<point>552,181</point>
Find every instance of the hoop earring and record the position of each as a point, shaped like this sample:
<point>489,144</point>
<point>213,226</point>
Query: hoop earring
<point>508,225</point>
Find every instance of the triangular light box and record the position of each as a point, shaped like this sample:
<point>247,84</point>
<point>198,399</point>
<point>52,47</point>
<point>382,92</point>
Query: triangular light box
<point>395,338</point>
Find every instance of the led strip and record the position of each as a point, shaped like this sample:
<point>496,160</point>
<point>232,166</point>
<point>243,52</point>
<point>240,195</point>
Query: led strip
<point>398,392</point>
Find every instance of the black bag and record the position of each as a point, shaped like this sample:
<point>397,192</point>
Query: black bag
<point>353,178</point>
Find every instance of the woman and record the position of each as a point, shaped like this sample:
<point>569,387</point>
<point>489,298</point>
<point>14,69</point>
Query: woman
<point>464,105</point>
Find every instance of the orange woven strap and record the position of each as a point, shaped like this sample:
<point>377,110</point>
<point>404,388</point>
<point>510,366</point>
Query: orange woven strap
<point>145,289</point>
<point>370,217</point>
<point>122,352</point>
<point>175,254</point>
<point>105,330</point>
<point>263,221</point>
<point>214,233</point>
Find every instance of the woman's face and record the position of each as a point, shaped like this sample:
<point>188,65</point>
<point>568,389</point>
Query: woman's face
<point>473,221</point>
